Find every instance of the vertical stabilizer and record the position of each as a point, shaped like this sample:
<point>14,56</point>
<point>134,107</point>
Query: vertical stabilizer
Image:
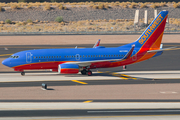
<point>151,38</point>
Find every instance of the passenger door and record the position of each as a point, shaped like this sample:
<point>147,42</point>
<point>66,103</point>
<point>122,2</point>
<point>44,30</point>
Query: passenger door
<point>28,57</point>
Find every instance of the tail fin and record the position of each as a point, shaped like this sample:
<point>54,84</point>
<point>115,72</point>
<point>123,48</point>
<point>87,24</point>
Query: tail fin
<point>97,44</point>
<point>151,38</point>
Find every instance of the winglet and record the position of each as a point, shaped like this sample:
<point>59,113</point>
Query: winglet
<point>97,43</point>
<point>128,55</point>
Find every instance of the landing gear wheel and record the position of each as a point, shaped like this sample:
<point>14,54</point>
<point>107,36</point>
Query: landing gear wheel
<point>22,73</point>
<point>89,73</point>
<point>83,72</point>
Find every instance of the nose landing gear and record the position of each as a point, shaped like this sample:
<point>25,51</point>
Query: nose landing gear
<point>22,73</point>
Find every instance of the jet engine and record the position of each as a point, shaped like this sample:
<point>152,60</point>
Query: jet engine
<point>68,69</point>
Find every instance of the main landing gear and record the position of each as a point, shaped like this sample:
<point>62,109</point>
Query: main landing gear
<point>22,73</point>
<point>88,72</point>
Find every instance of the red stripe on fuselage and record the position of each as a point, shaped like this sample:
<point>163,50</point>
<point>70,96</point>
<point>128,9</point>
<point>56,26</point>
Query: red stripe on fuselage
<point>43,65</point>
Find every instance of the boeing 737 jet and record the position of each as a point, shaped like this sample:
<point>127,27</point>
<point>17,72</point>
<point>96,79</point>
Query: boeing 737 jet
<point>75,60</point>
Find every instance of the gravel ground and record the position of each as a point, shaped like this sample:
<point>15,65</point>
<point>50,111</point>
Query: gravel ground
<point>76,14</point>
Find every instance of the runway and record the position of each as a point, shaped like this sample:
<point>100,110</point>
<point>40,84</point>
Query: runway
<point>99,112</point>
<point>108,94</point>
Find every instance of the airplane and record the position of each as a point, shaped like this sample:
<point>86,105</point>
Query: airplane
<point>75,60</point>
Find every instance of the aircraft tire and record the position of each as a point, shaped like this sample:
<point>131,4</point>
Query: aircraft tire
<point>22,73</point>
<point>89,73</point>
<point>83,72</point>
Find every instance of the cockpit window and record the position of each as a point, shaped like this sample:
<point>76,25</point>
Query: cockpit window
<point>14,56</point>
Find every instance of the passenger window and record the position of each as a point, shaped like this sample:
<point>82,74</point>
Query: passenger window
<point>52,56</point>
<point>88,55</point>
<point>96,55</point>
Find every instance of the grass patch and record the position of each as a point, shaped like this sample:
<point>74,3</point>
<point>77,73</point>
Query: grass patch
<point>8,21</point>
<point>59,19</point>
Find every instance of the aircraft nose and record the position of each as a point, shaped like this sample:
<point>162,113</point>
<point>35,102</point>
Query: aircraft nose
<point>5,62</point>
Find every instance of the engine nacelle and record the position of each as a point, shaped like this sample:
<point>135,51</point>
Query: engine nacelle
<point>68,69</point>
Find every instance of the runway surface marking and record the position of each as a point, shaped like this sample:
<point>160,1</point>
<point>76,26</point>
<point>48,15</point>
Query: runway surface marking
<point>129,76</point>
<point>77,81</point>
<point>5,54</point>
<point>123,76</point>
<point>88,101</point>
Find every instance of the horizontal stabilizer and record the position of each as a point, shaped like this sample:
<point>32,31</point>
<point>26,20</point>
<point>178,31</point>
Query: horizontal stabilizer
<point>170,48</point>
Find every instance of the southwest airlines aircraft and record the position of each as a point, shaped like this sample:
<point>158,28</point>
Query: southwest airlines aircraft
<point>74,60</point>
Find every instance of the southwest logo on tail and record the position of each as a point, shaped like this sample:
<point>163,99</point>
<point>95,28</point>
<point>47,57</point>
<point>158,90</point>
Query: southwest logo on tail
<point>73,61</point>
